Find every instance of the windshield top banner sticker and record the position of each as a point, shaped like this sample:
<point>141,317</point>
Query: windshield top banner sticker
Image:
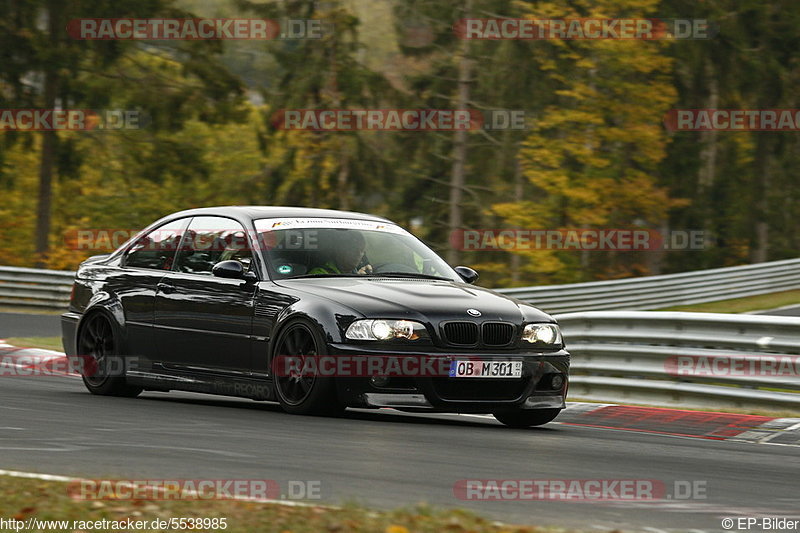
<point>274,224</point>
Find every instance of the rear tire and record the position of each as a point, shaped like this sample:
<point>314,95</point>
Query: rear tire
<point>525,419</point>
<point>304,395</point>
<point>97,343</point>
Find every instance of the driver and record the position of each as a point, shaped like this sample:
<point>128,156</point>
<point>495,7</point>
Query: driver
<point>346,253</point>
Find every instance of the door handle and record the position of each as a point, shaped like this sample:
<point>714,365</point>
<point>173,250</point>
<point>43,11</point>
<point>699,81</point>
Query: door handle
<point>166,288</point>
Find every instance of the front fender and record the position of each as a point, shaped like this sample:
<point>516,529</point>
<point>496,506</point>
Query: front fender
<point>110,306</point>
<point>331,318</point>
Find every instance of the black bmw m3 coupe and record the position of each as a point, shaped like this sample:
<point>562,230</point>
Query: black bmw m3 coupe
<point>318,310</point>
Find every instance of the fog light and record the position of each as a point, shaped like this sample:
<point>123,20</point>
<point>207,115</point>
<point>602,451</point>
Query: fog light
<point>556,382</point>
<point>379,381</point>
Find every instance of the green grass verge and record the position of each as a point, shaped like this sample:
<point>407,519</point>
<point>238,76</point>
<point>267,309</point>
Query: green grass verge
<point>28,310</point>
<point>22,498</point>
<point>46,343</point>
<point>743,305</point>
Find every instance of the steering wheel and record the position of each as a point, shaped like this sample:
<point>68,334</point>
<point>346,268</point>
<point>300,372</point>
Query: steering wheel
<point>393,267</point>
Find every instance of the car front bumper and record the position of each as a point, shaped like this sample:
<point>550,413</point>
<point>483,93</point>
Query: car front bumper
<point>465,395</point>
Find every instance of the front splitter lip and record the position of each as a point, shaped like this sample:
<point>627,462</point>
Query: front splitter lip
<point>395,400</point>
<point>545,401</point>
<point>418,401</point>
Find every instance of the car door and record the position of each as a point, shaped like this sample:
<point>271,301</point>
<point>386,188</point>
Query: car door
<point>204,322</point>
<point>145,262</point>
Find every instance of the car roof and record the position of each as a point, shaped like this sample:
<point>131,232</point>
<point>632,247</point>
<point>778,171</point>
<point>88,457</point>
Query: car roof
<point>252,212</point>
<point>263,211</point>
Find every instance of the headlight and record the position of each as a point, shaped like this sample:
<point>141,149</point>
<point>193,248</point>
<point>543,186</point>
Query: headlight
<point>383,330</point>
<point>544,333</point>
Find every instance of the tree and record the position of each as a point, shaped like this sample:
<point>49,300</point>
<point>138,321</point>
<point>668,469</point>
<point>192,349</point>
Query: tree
<point>71,73</point>
<point>315,168</point>
<point>593,156</point>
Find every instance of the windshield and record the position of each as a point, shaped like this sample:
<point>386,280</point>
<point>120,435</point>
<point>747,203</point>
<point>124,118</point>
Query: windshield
<point>346,247</point>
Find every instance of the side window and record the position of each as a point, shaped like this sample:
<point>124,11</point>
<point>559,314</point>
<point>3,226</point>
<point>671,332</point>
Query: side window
<point>156,250</point>
<point>210,240</point>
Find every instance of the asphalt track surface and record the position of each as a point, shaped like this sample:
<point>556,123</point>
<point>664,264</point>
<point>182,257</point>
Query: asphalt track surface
<point>29,325</point>
<point>386,459</point>
<point>382,459</point>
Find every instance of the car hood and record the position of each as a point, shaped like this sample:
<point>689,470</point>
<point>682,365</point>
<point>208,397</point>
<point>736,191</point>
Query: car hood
<point>418,299</point>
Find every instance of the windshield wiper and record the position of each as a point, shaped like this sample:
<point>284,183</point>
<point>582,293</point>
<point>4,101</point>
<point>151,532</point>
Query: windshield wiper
<point>373,275</point>
<point>340,275</point>
<point>407,275</point>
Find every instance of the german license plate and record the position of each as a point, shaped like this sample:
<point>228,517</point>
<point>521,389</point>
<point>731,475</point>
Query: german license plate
<point>485,369</point>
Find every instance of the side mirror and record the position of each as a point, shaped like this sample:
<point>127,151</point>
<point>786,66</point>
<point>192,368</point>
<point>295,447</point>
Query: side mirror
<point>467,274</point>
<point>232,269</point>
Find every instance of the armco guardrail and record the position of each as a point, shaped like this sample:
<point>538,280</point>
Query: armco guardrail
<point>658,292</point>
<point>684,359</point>
<point>30,287</point>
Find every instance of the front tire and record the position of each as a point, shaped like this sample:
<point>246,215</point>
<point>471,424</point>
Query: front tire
<point>98,345</point>
<point>525,419</point>
<point>301,394</point>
